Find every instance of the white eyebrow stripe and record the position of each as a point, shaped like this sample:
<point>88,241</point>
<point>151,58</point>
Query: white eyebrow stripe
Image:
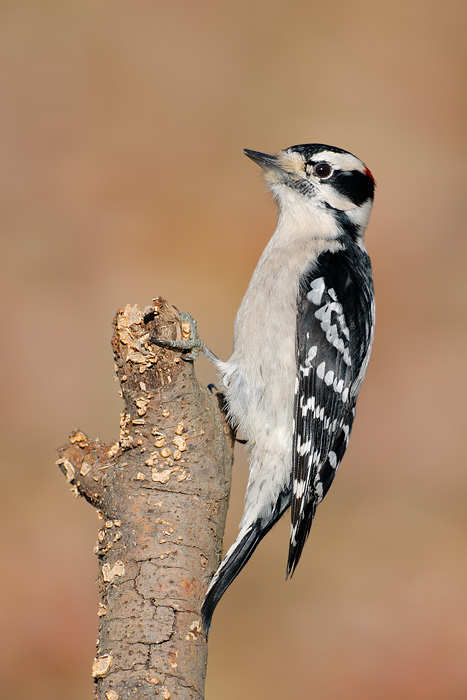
<point>340,161</point>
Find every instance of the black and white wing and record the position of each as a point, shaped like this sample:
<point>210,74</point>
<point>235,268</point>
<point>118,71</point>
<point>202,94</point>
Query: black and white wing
<point>335,324</point>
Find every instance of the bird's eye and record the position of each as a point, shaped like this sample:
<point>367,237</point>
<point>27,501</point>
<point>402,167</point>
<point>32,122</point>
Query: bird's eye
<point>322,170</point>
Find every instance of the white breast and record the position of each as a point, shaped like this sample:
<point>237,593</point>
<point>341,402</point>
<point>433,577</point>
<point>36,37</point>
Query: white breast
<point>260,375</point>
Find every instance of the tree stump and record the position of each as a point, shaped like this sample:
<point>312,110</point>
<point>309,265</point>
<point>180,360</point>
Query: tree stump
<point>162,494</point>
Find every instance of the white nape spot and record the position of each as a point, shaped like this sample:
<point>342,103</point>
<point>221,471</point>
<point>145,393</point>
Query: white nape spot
<point>360,215</point>
<point>329,377</point>
<point>332,459</point>
<point>316,292</point>
<point>320,370</point>
<point>299,488</point>
<point>345,394</point>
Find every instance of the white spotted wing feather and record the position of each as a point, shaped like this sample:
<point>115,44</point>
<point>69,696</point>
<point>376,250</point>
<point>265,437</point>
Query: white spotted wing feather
<point>334,335</point>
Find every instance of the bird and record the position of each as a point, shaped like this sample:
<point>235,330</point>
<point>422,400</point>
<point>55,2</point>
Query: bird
<point>302,342</point>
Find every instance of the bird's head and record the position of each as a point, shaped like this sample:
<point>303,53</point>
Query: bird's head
<point>310,179</point>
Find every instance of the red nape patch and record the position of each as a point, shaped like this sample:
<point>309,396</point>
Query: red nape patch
<point>367,171</point>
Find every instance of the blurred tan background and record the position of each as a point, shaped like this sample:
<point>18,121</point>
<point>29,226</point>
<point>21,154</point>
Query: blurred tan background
<point>121,178</point>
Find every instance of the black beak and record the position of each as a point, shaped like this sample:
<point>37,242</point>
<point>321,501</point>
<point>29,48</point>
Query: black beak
<point>263,159</point>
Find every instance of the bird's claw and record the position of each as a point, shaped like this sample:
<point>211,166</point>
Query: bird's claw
<point>193,345</point>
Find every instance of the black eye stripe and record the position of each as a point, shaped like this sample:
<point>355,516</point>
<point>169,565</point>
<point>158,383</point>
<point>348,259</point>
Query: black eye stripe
<point>354,185</point>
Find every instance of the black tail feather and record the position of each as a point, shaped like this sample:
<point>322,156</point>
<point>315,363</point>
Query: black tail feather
<point>295,550</point>
<point>237,557</point>
<point>229,569</point>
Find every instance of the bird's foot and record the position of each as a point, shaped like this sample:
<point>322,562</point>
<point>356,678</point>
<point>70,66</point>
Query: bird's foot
<point>193,344</point>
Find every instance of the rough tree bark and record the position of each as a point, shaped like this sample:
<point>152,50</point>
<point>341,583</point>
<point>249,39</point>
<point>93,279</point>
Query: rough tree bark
<point>161,493</point>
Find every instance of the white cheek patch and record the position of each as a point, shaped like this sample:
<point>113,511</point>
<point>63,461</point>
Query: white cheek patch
<point>345,162</point>
<point>333,197</point>
<point>361,214</point>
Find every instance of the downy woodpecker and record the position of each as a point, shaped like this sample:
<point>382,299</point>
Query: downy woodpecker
<point>302,341</point>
